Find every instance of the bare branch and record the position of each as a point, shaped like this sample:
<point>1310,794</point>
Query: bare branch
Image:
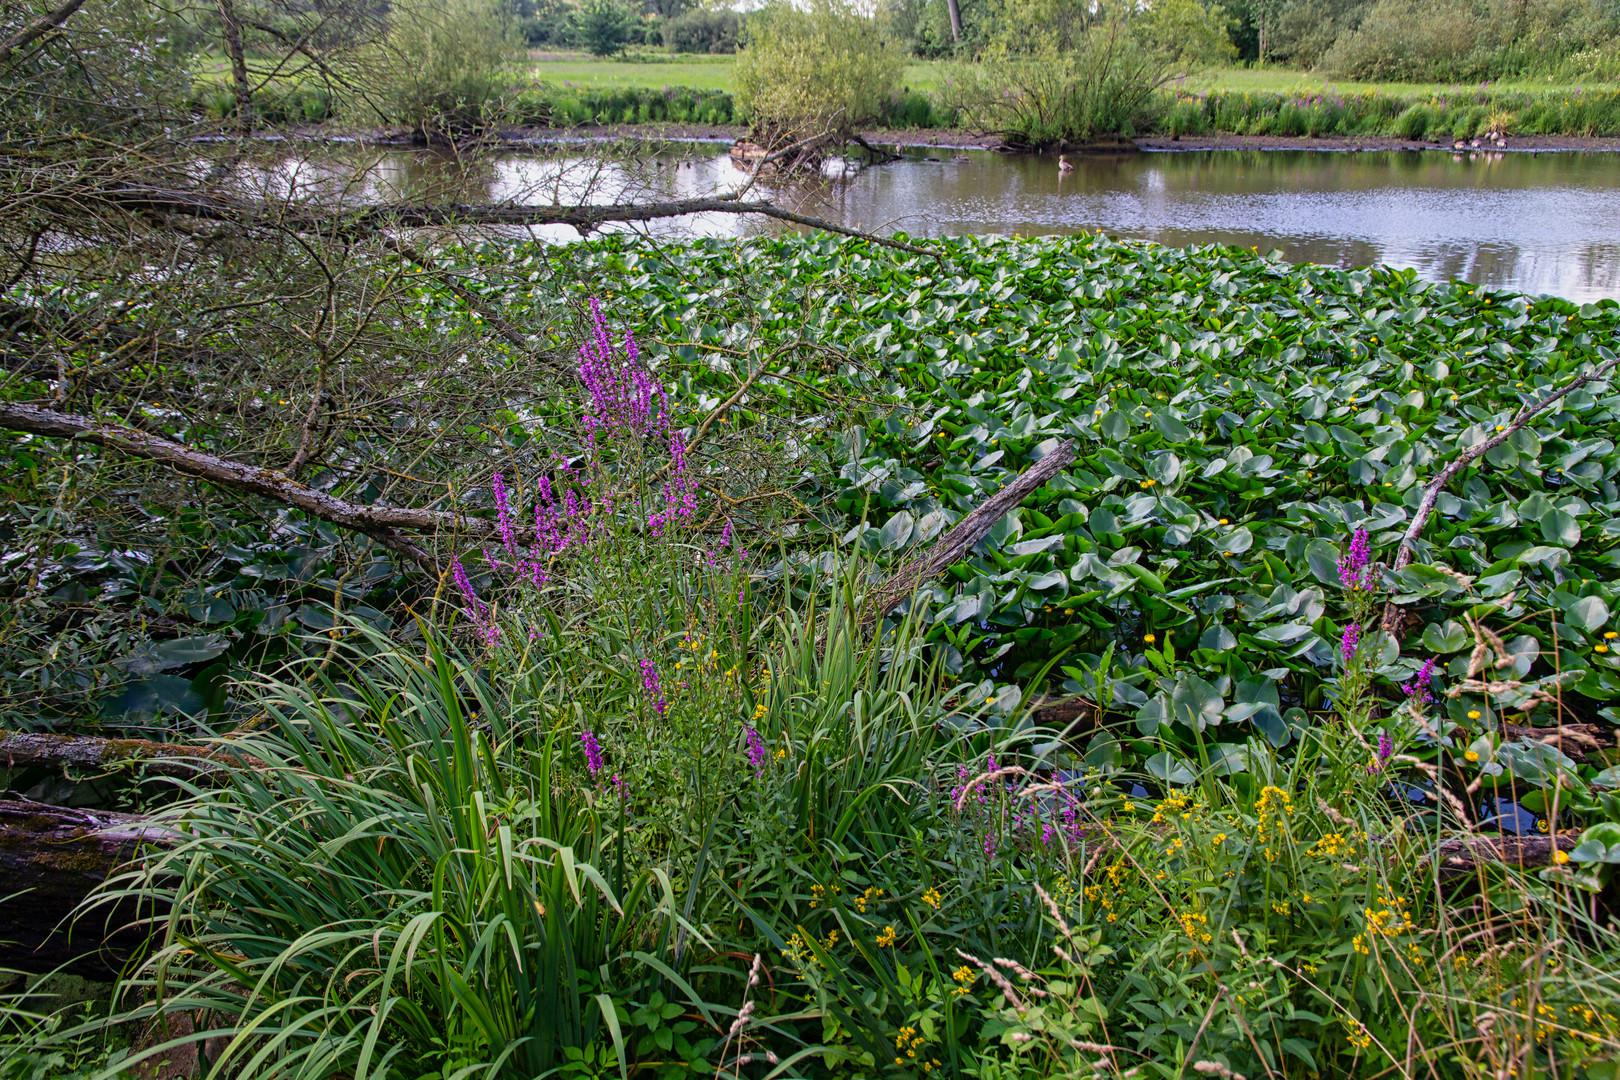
<point>38,28</point>
<point>955,544</point>
<point>1431,492</point>
<point>380,522</point>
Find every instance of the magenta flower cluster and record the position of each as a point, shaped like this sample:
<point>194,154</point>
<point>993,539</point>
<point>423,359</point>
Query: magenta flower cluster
<point>1386,750</point>
<point>650,683</point>
<point>756,750</point>
<point>477,610</point>
<point>1349,642</point>
<point>1418,690</point>
<point>593,754</point>
<point>623,396</point>
<point>1354,566</point>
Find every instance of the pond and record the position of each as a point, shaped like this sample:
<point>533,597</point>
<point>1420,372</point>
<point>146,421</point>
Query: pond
<point>1544,222</point>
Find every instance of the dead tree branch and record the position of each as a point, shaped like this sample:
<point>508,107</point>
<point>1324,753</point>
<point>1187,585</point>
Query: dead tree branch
<point>1431,491</point>
<point>38,28</point>
<point>380,522</point>
<point>21,749</point>
<point>955,544</point>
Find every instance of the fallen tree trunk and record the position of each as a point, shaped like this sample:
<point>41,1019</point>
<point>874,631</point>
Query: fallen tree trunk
<point>1468,855</point>
<point>955,544</point>
<point>51,858</point>
<point>1392,622</point>
<point>378,521</point>
<point>19,749</point>
<point>1581,743</point>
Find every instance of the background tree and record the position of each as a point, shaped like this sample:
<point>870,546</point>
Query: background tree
<point>602,27</point>
<point>820,70</point>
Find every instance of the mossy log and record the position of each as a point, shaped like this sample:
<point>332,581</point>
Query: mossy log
<point>51,858</point>
<point>21,749</point>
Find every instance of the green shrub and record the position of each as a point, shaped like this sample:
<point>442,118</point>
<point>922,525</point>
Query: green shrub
<point>1038,96</point>
<point>703,31</point>
<point>825,67</point>
<point>446,65</point>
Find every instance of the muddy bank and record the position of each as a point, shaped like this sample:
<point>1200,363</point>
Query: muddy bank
<point>931,139</point>
<point>1365,142</point>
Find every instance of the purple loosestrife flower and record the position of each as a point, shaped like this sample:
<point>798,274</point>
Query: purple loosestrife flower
<point>1418,690</point>
<point>477,610</point>
<point>623,395</point>
<point>650,683</point>
<point>756,750</point>
<point>1349,642</point>
<point>593,753</point>
<point>503,516</point>
<point>1353,572</point>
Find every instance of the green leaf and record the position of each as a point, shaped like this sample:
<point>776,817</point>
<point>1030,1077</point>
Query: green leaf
<point>1195,703</point>
<point>1589,613</point>
<point>1170,769</point>
<point>1447,637</point>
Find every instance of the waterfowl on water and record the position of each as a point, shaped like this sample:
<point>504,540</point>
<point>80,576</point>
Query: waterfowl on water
<point>1064,164</point>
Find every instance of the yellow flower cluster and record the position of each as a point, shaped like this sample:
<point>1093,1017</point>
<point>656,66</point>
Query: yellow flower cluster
<point>1357,1035</point>
<point>1195,926</point>
<point>907,1041</point>
<point>886,937</point>
<point>964,977</point>
<point>870,896</point>
<point>1390,918</point>
<point>932,898</point>
<point>819,893</point>
<point>1333,846</point>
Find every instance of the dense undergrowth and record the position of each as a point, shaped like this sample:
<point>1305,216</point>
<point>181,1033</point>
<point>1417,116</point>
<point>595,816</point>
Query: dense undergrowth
<point>658,806</point>
<point>1326,112</point>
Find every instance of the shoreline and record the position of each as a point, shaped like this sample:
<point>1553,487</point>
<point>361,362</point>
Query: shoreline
<point>957,139</point>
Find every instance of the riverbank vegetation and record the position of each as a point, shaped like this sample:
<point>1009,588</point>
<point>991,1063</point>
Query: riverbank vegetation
<point>445,655</point>
<point>666,792</point>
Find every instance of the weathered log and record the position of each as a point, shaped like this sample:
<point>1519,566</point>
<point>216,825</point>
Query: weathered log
<point>51,858</point>
<point>20,749</point>
<point>954,546</point>
<point>1392,620</point>
<point>1580,743</point>
<point>586,218</point>
<point>380,522</point>
<point>1467,855</point>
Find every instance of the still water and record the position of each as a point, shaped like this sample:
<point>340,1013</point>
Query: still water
<point>1531,222</point>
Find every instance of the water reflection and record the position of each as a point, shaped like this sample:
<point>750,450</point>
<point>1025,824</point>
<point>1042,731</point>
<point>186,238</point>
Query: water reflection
<point>1537,223</point>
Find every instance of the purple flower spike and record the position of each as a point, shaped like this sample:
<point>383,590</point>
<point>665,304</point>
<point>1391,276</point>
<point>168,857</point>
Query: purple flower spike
<point>756,750</point>
<point>650,683</point>
<point>477,610</point>
<point>1386,750</point>
<point>1418,690</point>
<point>1353,567</point>
<point>1348,643</point>
<point>593,753</point>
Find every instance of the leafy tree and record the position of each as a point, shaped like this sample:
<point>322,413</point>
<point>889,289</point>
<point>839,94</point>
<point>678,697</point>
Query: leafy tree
<point>602,26</point>
<point>1186,31</point>
<point>447,63</point>
<point>821,68</point>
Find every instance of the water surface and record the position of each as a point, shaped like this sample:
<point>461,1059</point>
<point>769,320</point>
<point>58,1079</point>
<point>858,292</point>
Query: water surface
<point>1531,222</point>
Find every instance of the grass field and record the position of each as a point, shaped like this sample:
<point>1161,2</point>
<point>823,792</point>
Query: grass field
<point>1290,80</point>
<point>657,69</point>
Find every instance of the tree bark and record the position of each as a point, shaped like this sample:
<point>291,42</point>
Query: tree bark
<point>1468,855</point>
<point>51,858</point>
<point>955,9</point>
<point>380,522</point>
<point>21,749</point>
<point>231,27</point>
<point>1431,491</point>
<point>38,28</point>
<point>955,544</point>
<point>586,219</point>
